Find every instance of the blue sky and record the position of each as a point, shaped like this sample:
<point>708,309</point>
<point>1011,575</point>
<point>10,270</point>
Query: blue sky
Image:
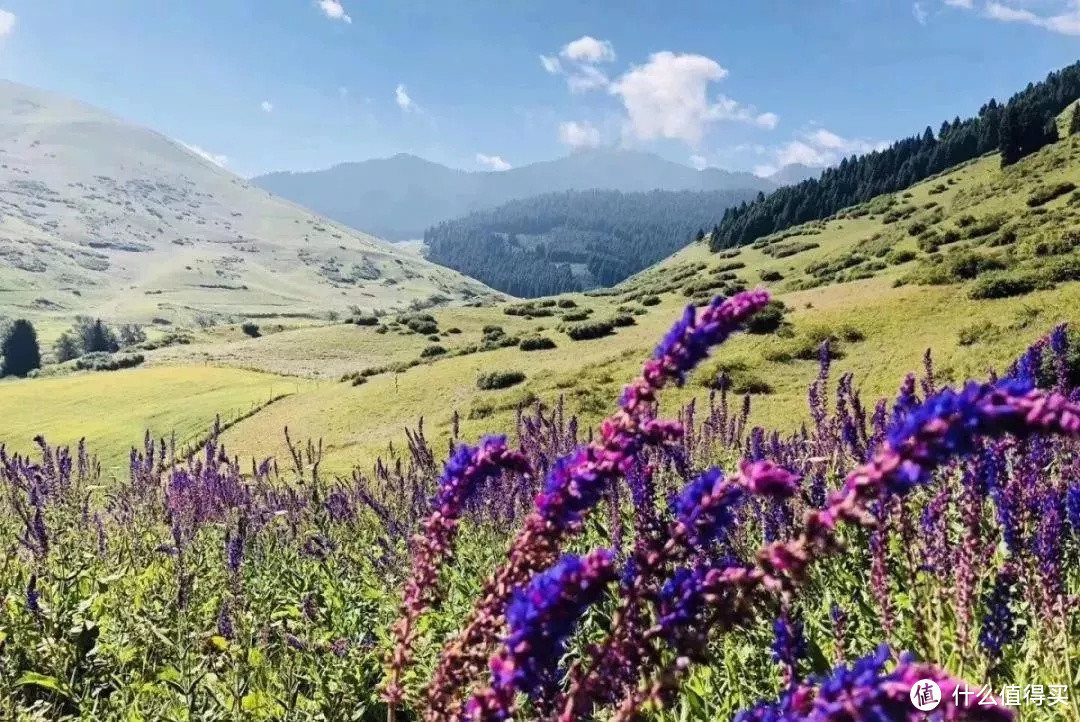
<point>741,84</point>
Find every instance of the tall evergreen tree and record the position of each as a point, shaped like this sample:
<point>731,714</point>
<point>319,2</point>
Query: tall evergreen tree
<point>20,351</point>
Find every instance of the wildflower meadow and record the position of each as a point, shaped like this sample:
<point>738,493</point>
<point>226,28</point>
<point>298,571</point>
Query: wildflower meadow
<point>673,566</point>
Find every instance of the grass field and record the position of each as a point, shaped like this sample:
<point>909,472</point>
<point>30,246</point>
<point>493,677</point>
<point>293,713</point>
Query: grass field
<point>113,409</point>
<point>840,277</point>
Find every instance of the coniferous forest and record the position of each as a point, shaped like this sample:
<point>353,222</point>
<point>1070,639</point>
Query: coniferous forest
<point>573,240</point>
<point>1023,125</point>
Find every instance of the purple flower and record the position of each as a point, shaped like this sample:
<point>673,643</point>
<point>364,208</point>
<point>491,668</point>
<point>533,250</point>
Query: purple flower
<point>866,691</point>
<point>225,622</point>
<point>234,551</point>
<point>33,597</point>
<point>999,624</point>
<point>789,643</point>
<point>540,619</point>
<point>1072,508</point>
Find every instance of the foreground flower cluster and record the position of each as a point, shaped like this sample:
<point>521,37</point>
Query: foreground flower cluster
<point>616,576</point>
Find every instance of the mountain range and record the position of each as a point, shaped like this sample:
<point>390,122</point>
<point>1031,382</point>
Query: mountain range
<point>103,217</point>
<point>397,198</point>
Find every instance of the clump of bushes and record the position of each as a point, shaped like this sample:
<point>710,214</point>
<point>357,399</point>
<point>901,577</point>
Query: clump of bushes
<point>365,320</point>
<point>432,351</point>
<point>650,301</point>
<point>578,315</point>
<point>419,323</point>
<point>499,380</point>
<point>1045,194</point>
<point>771,276</point>
<point>977,333</point>
<point>251,329</point>
<point>1002,285</point>
<point>536,343</point>
<point>901,255</point>
<point>589,330</point>
<point>101,361</point>
<point>622,319</point>
<point>567,303</point>
<point>768,319</point>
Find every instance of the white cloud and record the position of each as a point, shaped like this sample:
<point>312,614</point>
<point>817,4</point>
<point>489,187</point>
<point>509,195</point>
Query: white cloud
<point>1063,19</point>
<point>920,13</point>
<point>551,64</point>
<point>819,148</point>
<point>266,106</point>
<point>7,23</point>
<point>579,135</point>
<point>699,161</point>
<point>493,162</point>
<point>764,171</point>
<point>966,4</point>
<point>588,49</point>
<point>216,158</point>
<point>334,10</point>
<point>401,97</point>
<point>668,98</point>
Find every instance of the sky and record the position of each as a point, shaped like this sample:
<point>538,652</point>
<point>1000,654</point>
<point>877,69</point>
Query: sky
<point>749,85</point>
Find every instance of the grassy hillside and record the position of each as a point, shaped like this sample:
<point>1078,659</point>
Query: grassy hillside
<point>102,217</point>
<point>870,277</point>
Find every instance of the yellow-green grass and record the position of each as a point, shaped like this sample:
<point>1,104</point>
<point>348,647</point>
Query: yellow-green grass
<point>899,323</point>
<point>113,409</point>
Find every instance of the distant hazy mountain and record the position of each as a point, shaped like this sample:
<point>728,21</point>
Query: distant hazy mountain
<point>101,216</point>
<point>398,197</point>
<point>795,173</point>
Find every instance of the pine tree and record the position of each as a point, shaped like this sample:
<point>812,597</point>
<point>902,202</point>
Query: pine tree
<point>20,349</point>
<point>1074,122</point>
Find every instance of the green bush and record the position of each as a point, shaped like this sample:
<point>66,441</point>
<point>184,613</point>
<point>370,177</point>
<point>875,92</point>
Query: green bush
<point>650,301</point>
<point>901,256</point>
<point>578,315</point>
<point>768,319</point>
<point>251,329</point>
<point>623,319</point>
<point>1002,285</point>
<point>1045,194</point>
<point>965,265</point>
<point>101,361</point>
<point>365,320</point>
<point>567,303</point>
<point>536,343</point>
<point>499,380</point>
<point>431,351</point>
<point>977,333</point>
<point>589,330</point>
<point>770,276</point>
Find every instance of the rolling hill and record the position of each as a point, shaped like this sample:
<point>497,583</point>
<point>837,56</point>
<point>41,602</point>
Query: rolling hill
<point>100,216</point>
<point>398,197</point>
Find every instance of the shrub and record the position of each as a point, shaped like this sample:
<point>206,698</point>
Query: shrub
<point>623,319</point>
<point>499,380</point>
<point>358,380</point>
<point>567,303</point>
<point>251,329</point>
<point>454,330</point>
<point>768,319</point>
<point>650,301</point>
<point>750,384</point>
<point>579,315</point>
<point>1045,194</point>
<point>589,330</point>
<point>20,351</point>
<point>901,256</point>
<point>1002,285</point>
<point>101,361</point>
<point>536,343</point>
<point>433,350</point>
<point>977,332</point>
<point>951,235</point>
<point>770,276</point>
<point>365,320</point>
<point>966,265</point>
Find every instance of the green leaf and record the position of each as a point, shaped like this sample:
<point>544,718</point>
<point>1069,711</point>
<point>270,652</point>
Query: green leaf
<point>51,684</point>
